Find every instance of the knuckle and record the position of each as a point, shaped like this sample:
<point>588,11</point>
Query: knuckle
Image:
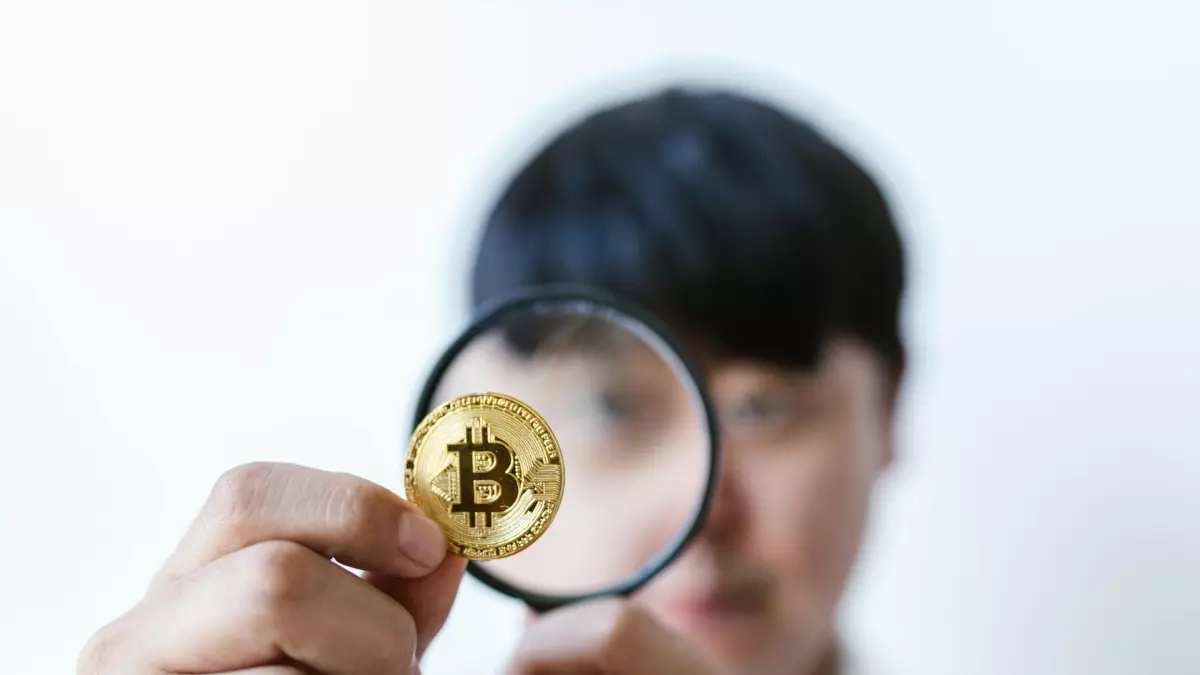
<point>354,506</point>
<point>98,655</point>
<point>278,574</point>
<point>242,491</point>
<point>399,646</point>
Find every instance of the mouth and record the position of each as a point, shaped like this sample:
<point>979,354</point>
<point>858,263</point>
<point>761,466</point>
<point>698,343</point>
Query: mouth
<point>715,594</point>
<point>716,605</point>
<point>719,605</point>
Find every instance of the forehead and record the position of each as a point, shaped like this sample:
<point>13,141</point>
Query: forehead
<point>845,363</point>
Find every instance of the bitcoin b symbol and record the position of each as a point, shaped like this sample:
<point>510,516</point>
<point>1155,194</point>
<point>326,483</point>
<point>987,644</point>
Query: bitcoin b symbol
<point>485,484</point>
<point>458,467</point>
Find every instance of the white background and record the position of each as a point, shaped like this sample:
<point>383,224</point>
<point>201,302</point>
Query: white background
<point>233,231</point>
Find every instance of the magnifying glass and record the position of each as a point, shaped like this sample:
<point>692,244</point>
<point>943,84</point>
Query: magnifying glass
<point>633,422</point>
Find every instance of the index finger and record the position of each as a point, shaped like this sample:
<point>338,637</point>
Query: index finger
<point>342,517</point>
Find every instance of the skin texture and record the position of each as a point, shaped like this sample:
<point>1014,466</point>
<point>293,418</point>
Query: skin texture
<point>252,588</point>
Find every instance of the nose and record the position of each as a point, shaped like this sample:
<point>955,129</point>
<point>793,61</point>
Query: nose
<point>727,514</point>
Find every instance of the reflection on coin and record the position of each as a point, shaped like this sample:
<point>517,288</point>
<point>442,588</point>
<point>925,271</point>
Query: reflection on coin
<point>488,470</point>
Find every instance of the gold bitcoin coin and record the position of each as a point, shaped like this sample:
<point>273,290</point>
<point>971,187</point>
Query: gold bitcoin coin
<point>488,470</point>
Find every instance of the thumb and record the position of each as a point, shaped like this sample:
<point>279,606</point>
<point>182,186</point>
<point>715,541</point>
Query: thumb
<point>428,599</point>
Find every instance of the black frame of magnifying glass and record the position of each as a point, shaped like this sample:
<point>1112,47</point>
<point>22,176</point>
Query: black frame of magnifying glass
<point>485,318</point>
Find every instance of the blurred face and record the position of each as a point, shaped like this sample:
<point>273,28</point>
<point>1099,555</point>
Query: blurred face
<point>759,587</point>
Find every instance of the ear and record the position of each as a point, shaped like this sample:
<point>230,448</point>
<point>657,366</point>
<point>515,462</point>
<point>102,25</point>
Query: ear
<point>887,449</point>
<point>891,405</point>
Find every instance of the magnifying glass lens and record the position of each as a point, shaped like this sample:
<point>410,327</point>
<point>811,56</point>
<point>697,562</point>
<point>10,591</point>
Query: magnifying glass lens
<point>631,426</point>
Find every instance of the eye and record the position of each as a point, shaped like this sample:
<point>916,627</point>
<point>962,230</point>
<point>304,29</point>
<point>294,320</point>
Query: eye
<point>763,408</point>
<point>621,407</point>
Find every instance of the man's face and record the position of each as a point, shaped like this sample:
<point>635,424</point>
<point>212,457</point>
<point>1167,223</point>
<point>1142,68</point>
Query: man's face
<point>759,586</point>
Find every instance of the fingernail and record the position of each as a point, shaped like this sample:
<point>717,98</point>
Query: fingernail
<point>422,541</point>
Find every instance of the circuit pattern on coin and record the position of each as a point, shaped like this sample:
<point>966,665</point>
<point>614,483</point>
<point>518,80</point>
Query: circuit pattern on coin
<point>488,470</point>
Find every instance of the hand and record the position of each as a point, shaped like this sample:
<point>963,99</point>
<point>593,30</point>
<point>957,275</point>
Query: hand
<point>252,588</point>
<point>609,637</point>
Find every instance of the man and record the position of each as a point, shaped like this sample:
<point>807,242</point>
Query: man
<point>775,255</point>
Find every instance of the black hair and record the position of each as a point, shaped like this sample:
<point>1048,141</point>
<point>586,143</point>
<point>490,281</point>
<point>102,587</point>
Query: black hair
<point>741,225</point>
